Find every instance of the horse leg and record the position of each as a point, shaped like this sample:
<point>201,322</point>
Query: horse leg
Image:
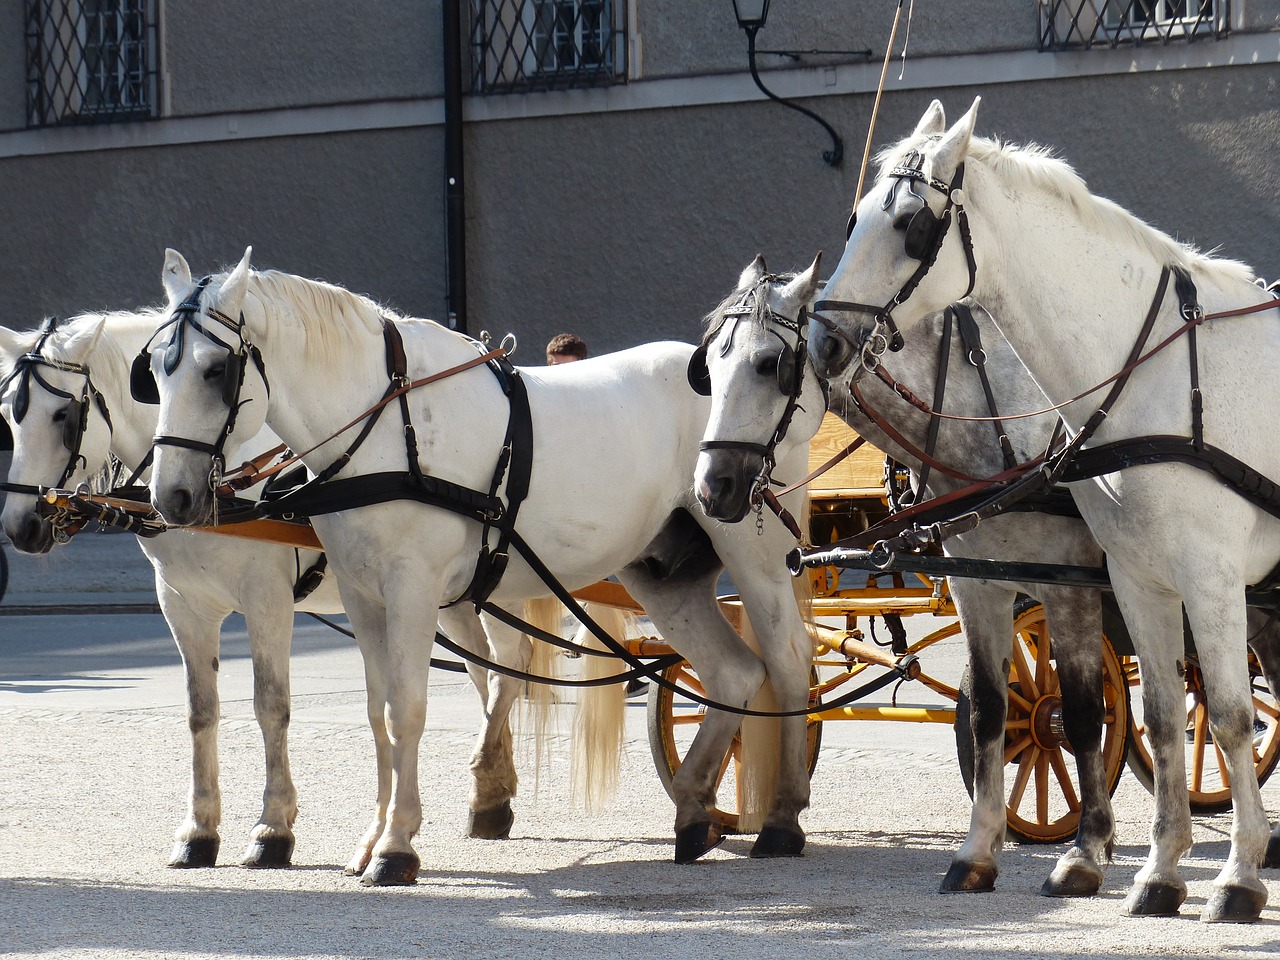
<point>269,620</point>
<point>368,623</point>
<point>196,632</point>
<point>1154,620</point>
<point>684,609</point>
<point>412,607</point>
<point>493,770</point>
<point>1075,626</point>
<point>986,618</point>
<point>769,599</point>
<point>1264,629</point>
<point>1218,623</point>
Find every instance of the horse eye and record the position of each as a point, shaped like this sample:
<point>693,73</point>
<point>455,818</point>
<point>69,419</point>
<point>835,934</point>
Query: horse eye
<point>768,367</point>
<point>61,415</point>
<point>215,372</point>
<point>901,220</point>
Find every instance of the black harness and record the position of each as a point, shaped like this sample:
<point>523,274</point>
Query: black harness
<point>76,420</point>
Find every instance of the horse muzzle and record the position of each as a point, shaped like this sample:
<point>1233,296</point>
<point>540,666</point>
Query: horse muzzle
<point>30,533</point>
<point>724,481</point>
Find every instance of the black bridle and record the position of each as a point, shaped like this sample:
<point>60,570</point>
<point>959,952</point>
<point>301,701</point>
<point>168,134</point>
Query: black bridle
<point>923,239</point>
<point>793,361</point>
<point>26,370</point>
<point>142,382</point>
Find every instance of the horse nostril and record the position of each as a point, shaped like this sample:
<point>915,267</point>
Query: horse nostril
<point>828,348</point>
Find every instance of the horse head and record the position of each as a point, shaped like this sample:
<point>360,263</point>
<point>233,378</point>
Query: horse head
<point>60,425</point>
<point>209,382</point>
<point>754,365</point>
<point>908,252</point>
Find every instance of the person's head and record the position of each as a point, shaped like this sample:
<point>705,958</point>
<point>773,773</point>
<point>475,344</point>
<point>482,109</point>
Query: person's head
<point>565,348</point>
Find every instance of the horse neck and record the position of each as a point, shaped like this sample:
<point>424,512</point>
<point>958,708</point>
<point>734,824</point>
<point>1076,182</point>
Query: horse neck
<point>1059,289</point>
<point>133,424</point>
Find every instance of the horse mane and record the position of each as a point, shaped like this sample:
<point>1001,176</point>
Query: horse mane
<point>109,348</point>
<point>331,318</point>
<point>758,306</point>
<point>1034,167</point>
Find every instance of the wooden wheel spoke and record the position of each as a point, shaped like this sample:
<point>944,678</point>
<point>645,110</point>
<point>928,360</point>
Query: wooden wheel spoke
<point>1222,767</point>
<point>1023,670</point>
<point>1063,776</point>
<point>1042,787</point>
<point>1015,748</point>
<point>1272,710</point>
<point>1016,699</point>
<point>687,719</point>
<point>1046,676</point>
<point>1025,767</point>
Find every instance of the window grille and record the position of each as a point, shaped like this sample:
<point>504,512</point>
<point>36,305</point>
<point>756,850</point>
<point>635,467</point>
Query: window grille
<point>522,45</point>
<point>90,61</point>
<point>1073,24</point>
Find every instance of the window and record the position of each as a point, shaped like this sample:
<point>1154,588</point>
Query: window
<point>521,45</point>
<point>1069,24</point>
<point>90,61</point>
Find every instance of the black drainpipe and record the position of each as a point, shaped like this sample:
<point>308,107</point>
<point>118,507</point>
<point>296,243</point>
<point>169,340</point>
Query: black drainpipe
<point>454,184</point>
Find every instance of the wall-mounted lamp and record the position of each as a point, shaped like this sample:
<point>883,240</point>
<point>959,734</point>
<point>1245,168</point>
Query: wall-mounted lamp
<point>752,15</point>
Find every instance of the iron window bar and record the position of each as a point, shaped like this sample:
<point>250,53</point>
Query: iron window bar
<point>528,45</point>
<point>1083,24</point>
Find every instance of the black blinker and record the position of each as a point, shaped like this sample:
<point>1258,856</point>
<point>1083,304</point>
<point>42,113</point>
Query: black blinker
<point>698,374</point>
<point>922,234</point>
<point>142,382</point>
<point>853,222</point>
<point>232,377</point>
<point>21,399</point>
<point>77,415</point>
<point>787,370</point>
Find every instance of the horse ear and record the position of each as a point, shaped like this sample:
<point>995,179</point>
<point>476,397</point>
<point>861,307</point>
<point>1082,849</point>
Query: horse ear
<point>933,122</point>
<point>175,274</point>
<point>237,282</point>
<point>955,144</point>
<point>80,345</point>
<point>802,288</point>
<point>10,343</point>
<point>751,276</point>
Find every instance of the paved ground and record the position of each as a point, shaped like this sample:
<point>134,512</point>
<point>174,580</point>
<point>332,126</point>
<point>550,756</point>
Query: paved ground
<point>95,760</point>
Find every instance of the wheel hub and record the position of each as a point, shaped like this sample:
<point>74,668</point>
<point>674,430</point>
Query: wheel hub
<point>1046,722</point>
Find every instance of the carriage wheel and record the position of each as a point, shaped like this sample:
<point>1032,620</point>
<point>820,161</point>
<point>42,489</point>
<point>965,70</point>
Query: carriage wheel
<point>1208,785</point>
<point>1042,798</point>
<point>4,573</point>
<point>672,727</point>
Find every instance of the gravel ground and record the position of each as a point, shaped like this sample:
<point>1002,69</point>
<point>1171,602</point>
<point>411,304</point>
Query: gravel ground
<point>95,762</point>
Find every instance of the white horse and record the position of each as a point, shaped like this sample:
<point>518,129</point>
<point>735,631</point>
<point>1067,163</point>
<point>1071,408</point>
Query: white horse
<point>200,578</point>
<point>614,443</point>
<point>1071,278</point>
<point>754,334</point>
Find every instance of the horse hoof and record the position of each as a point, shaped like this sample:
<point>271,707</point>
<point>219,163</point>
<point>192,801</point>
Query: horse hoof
<point>1155,900</point>
<point>778,842</point>
<point>269,853</point>
<point>1272,858</point>
<point>695,840</point>
<point>393,870</point>
<point>1235,904</point>
<point>1074,881</point>
<point>190,854</point>
<point>492,824</point>
<point>969,878</point>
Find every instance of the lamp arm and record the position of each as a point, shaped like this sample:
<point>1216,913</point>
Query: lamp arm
<point>832,156</point>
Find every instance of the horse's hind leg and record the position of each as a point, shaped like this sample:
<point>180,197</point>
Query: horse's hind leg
<point>196,632</point>
<point>684,609</point>
<point>493,771</point>
<point>1218,622</point>
<point>269,620</point>
<point>1075,625</point>
<point>1264,631</point>
<point>986,617</point>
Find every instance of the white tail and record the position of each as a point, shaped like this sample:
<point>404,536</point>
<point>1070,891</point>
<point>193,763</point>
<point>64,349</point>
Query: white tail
<point>545,613</point>
<point>599,723</point>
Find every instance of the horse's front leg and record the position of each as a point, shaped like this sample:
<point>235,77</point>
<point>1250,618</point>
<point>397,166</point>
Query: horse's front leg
<point>269,620</point>
<point>986,618</point>
<point>196,632</point>
<point>687,615</point>
<point>1218,623</point>
<point>1264,633</point>
<point>493,770</point>
<point>1075,624</point>
<point>411,616</point>
<point>1154,620</point>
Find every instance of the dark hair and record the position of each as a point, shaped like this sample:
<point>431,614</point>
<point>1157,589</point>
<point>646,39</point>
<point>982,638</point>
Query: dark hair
<point>567,345</point>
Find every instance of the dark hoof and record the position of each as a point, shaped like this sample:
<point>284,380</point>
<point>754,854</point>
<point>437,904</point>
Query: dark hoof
<point>1234,904</point>
<point>695,840</point>
<point>1155,900</point>
<point>1072,882</point>
<point>1272,858</point>
<point>969,878</point>
<point>396,870</point>
<point>492,824</point>
<point>778,842</point>
<point>189,854</point>
<point>271,853</point>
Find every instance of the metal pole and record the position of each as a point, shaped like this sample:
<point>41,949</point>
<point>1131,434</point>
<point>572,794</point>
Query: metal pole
<point>454,182</point>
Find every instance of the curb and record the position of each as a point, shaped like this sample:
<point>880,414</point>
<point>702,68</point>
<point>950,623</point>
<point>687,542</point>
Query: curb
<point>74,609</point>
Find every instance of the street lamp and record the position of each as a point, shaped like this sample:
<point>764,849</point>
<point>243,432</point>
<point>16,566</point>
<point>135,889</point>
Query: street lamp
<point>751,15</point>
